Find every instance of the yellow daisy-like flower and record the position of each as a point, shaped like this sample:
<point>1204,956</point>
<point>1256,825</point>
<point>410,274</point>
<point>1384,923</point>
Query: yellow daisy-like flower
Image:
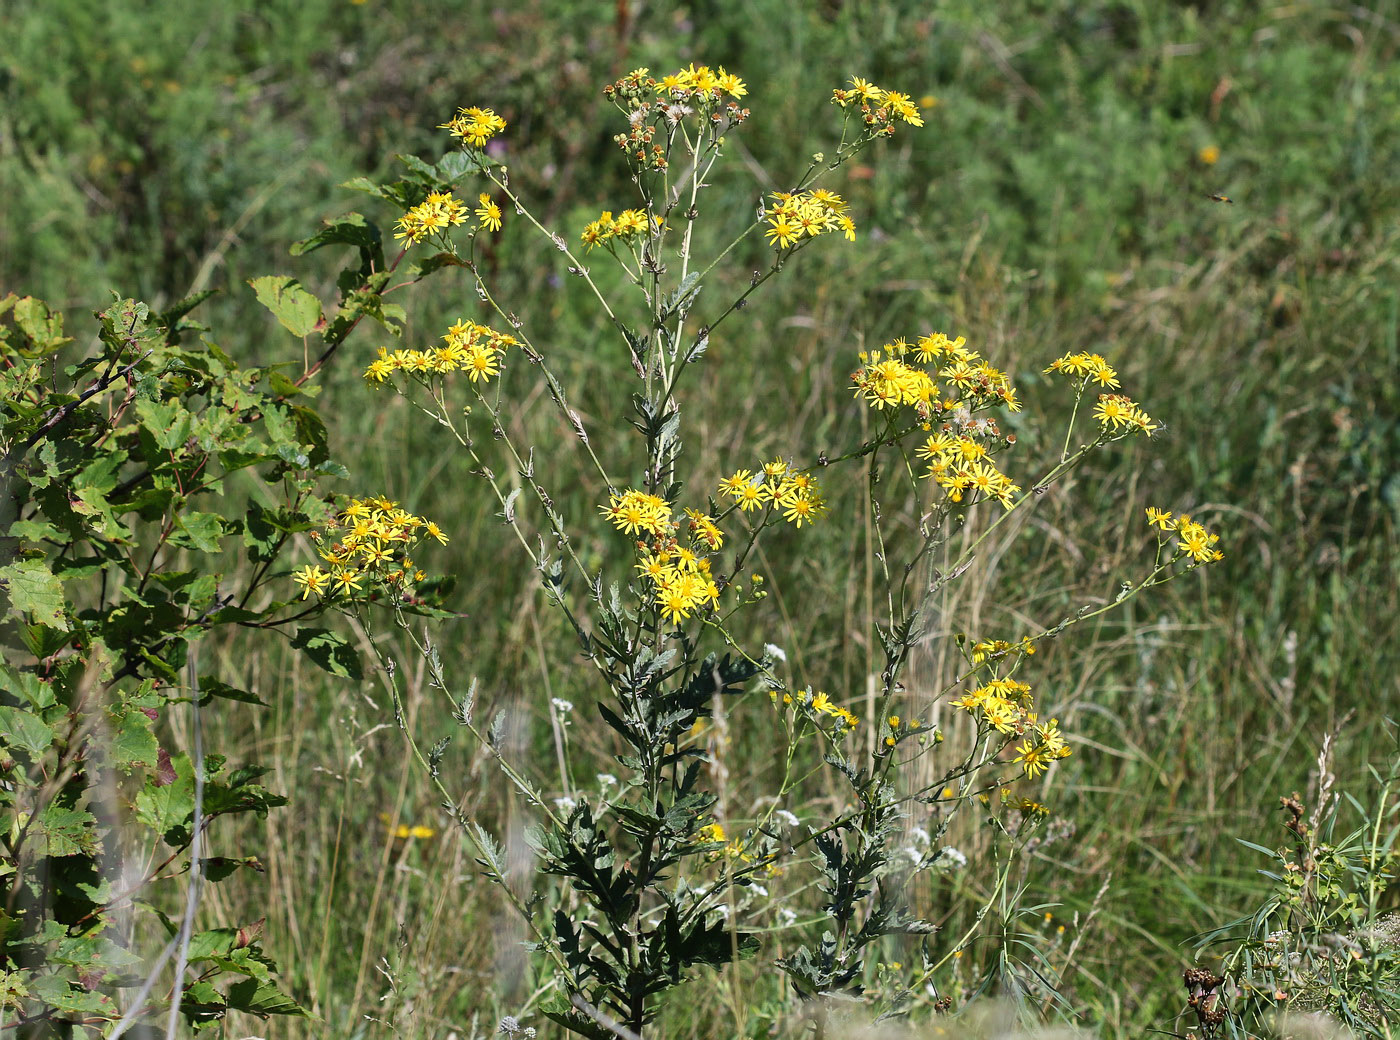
<point>782,232</point>
<point>488,214</point>
<point>474,126</point>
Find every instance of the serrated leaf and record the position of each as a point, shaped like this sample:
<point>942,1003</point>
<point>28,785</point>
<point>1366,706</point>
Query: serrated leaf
<point>25,731</point>
<point>67,831</point>
<point>262,998</point>
<point>34,591</point>
<point>133,743</point>
<point>198,531</point>
<point>297,310</point>
<point>352,229</point>
<point>329,651</point>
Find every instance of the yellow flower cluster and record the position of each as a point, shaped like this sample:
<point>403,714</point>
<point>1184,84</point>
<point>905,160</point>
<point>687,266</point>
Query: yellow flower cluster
<point>807,214</point>
<point>886,379</point>
<point>1118,413</point>
<point>679,575</point>
<point>1193,539</point>
<point>879,107</point>
<point>911,726</point>
<point>474,126</point>
<point>795,494</point>
<point>468,347</point>
<point>700,83</point>
<point>820,703</point>
<point>1115,413</point>
<point>405,831</point>
<point>1087,368</point>
<point>1005,706</point>
<point>629,224</point>
<point>1043,744</point>
<point>368,551</point>
<point>713,833</point>
<point>959,463</point>
<point>435,213</point>
<point>654,108</point>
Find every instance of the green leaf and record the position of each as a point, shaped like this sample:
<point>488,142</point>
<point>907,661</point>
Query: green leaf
<point>166,802</point>
<point>19,729</point>
<point>33,590</point>
<point>297,310</point>
<point>216,868</point>
<point>210,687</point>
<point>329,651</point>
<point>133,743</point>
<point>352,230</point>
<point>41,325</point>
<point>262,998</point>
<point>198,531</point>
<point>67,831</point>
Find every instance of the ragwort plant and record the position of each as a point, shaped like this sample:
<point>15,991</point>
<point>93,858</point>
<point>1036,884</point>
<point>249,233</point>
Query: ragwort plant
<point>654,883</point>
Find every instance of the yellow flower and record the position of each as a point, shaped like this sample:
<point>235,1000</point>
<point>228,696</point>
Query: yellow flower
<point>782,232</point>
<point>488,213</point>
<point>312,580</point>
<point>1159,518</point>
<point>474,125</point>
<point>1209,155</point>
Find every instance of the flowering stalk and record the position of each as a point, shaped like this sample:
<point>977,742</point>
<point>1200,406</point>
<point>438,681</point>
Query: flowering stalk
<point>657,879</point>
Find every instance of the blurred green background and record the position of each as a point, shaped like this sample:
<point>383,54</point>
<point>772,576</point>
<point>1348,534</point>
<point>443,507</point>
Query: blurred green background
<point>1057,200</point>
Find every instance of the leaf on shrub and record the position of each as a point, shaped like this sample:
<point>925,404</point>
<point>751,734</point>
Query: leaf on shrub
<point>297,310</point>
<point>42,326</point>
<point>59,993</point>
<point>170,317</point>
<point>167,805</point>
<point>198,531</point>
<point>262,998</point>
<point>33,591</point>
<point>133,743</point>
<point>67,831</point>
<point>329,651</point>
<point>352,230</point>
<point>216,868</point>
<point>209,688</point>
<point>167,422</point>
<point>19,729</point>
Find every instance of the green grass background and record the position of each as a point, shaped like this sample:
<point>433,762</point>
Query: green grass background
<point>1055,202</point>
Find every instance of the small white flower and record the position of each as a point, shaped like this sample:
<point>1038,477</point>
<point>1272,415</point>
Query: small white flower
<point>758,890</point>
<point>675,113</point>
<point>949,859</point>
<point>787,916</point>
<point>562,706</point>
<point>723,910</point>
<point>565,804</point>
<point>918,836</point>
<point>606,780</point>
<point>912,853</point>
<point>787,819</point>
<point>775,652</point>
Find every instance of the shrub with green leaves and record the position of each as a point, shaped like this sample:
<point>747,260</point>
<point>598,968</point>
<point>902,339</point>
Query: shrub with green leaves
<point>132,474</point>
